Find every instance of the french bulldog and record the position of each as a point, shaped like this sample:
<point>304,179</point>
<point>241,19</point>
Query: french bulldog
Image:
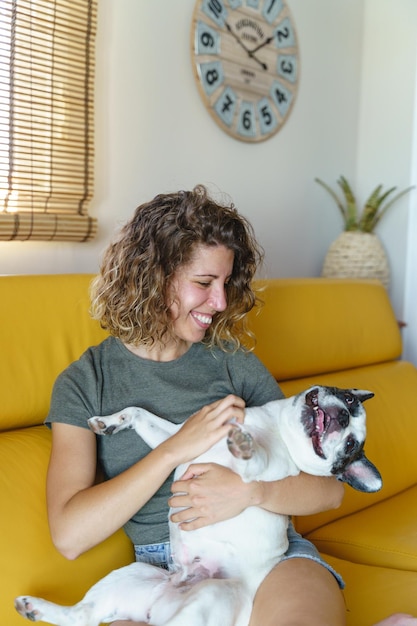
<point>217,569</point>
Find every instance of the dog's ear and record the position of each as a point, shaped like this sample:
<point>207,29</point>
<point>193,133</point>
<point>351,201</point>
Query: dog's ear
<point>363,394</point>
<point>362,475</point>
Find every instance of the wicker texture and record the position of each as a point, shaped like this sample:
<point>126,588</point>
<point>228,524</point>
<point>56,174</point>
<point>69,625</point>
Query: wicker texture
<point>356,254</point>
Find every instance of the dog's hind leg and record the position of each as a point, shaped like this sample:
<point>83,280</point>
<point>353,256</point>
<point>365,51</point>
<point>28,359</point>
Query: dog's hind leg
<point>39,610</point>
<point>125,594</point>
<point>208,603</point>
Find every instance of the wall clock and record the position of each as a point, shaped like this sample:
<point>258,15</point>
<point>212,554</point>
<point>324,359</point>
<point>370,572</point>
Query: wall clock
<point>246,64</point>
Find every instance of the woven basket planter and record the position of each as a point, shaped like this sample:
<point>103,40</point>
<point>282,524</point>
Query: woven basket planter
<point>355,254</point>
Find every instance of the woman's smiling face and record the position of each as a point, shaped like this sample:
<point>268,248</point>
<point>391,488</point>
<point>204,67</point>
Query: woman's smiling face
<point>198,291</point>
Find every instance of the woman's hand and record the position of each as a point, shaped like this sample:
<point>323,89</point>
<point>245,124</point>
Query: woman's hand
<point>211,493</point>
<point>205,428</point>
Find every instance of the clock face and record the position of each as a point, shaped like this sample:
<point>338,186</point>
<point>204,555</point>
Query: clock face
<point>245,58</point>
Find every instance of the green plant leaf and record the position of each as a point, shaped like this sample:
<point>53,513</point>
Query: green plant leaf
<point>351,211</point>
<point>384,209</point>
<point>374,207</point>
<point>334,196</point>
<point>371,208</point>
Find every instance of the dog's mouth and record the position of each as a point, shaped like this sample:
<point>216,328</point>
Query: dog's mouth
<point>321,424</point>
<point>318,423</point>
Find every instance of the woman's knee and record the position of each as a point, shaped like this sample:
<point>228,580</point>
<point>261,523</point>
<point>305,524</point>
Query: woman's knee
<point>290,593</point>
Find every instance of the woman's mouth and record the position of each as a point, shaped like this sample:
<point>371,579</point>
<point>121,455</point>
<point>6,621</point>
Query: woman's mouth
<point>202,319</point>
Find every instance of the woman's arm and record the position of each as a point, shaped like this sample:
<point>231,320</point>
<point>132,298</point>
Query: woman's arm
<point>300,495</point>
<point>82,512</point>
<point>214,493</point>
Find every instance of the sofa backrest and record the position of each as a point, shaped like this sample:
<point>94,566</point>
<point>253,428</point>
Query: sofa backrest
<point>44,326</point>
<point>311,326</point>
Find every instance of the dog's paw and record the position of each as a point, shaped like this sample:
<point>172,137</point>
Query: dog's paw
<point>99,426</point>
<point>112,424</point>
<point>240,443</point>
<point>25,607</point>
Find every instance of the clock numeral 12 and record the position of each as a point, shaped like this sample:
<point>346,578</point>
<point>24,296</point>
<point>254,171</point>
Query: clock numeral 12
<point>234,4</point>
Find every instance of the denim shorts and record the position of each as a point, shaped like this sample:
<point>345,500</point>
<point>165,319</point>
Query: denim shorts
<point>160,554</point>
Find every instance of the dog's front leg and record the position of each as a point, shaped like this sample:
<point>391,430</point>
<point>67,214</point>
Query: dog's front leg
<point>240,442</point>
<point>250,449</point>
<point>152,429</point>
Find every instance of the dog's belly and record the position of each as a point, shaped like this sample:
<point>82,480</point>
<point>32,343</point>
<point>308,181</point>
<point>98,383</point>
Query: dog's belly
<point>245,547</point>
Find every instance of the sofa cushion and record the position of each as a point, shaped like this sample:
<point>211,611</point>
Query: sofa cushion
<point>384,534</point>
<point>298,331</point>
<point>32,563</point>
<point>372,593</point>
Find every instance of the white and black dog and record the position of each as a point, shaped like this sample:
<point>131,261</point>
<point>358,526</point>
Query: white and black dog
<point>217,569</point>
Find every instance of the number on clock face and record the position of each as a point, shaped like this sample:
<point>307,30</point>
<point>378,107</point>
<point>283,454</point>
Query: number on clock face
<point>246,64</point>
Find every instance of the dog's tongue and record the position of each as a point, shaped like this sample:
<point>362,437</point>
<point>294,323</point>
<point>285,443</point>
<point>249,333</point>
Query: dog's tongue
<point>319,427</point>
<point>319,422</point>
<point>316,441</point>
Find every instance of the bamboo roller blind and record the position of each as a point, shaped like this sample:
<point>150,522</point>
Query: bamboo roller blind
<point>46,119</point>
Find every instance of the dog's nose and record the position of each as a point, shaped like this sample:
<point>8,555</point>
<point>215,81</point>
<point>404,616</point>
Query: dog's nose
<point>343,418</point>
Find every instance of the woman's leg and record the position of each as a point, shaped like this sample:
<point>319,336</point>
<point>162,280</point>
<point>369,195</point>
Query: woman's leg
<point>296,592</point>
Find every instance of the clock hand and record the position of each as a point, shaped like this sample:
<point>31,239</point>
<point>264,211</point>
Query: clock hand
<point>261,63</point>
<point>266,42</point>
<point>239,41</point>
<point>249,52</point>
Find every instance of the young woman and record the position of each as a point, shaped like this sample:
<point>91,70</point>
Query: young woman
<point>173,292</point>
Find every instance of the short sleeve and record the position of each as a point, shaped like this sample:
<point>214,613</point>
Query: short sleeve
<point>75,393</point>
<point>253,381</point>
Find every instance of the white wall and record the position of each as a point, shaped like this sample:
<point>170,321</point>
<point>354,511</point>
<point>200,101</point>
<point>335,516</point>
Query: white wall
<point>153,133</point>
<point>410,305</point>
<point>386,142</point>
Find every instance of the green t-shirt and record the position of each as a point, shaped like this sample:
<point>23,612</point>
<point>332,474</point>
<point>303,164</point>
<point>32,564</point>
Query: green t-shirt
<point>108,378</point>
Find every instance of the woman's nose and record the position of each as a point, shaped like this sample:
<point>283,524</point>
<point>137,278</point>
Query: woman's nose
<point>217,299</point>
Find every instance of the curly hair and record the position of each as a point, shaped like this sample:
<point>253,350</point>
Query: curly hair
<point>129,296</point>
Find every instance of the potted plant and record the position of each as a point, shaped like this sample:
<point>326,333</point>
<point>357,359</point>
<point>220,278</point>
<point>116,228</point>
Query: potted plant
<point>358,252</point>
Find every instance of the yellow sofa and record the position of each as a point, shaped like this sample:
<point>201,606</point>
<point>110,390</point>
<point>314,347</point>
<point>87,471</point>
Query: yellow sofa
<point>310,331</point>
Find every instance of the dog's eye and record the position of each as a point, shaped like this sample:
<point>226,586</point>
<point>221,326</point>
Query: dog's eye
<point>349,398</point>
<point>350,445</point>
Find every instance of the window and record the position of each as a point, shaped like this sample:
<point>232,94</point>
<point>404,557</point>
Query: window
<point>46,119</point>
